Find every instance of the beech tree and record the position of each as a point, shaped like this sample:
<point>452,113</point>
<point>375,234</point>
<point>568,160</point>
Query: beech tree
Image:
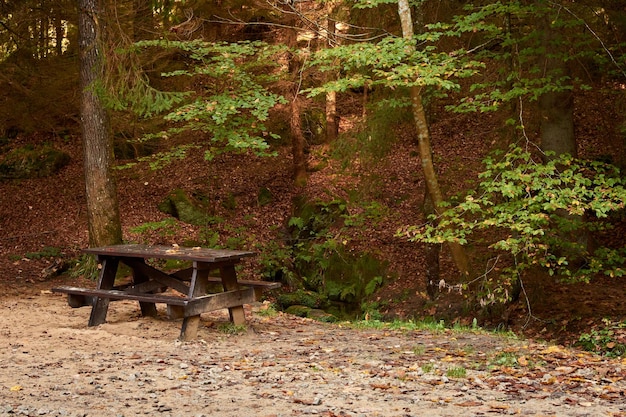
<point>423,141</point>
<point>394,62</point>
<point>102,203</point>
<point>533,196</point>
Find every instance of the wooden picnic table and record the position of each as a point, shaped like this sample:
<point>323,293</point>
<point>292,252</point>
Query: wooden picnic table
<point>189,298</point>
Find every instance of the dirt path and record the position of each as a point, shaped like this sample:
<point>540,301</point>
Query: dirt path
<point>51,364</point>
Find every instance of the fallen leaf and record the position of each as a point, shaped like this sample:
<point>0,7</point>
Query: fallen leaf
<point>498,406</point>
<point>469,404</point>
<point>522,361</point>
<point>16,388</point>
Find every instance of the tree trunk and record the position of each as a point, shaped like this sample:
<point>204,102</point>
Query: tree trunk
<point>297,142</point>
<point>556,107</point>
<point>557,130</point>
<point>59,30</point>
<point>332,125</point>
<point>300,176</point>
<point>102,205</point>
<point>557,124</point>
<point>431,255</point>
<point>424,147</point>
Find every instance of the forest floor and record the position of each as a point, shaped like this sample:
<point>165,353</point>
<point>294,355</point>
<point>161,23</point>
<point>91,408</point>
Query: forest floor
<point>52,362</point>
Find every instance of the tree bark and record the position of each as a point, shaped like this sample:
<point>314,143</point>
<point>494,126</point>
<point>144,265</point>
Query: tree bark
<point>332,125</point>
<point>424,146</point>
<point>298,142</point>
<point>557,127</point>
<point>300,176</point>
<point>556,107</point>
<point>101,191</point>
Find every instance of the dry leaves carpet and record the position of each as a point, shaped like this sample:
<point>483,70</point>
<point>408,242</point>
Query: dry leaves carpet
<point>52,364</point>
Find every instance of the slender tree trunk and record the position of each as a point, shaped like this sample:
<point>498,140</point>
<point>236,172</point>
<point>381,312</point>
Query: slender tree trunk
<point>102,205</point>
<point>59,30</point>
<point>431,255</point>
<point>557,128</point>
<point>556,107</point>
<point>300,176</point>
<point>332,125</point>
<point>297,142</point>
<point>424,146</point>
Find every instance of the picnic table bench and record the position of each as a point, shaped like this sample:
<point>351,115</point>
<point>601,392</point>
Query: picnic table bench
<point>189,298</point>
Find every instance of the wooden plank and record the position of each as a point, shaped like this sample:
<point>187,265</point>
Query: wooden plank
<point>122,295</point>
<point>197,288</point>
<point>266,285</point>
<point>171,252</point>
<point>77,301</point>
<point>185,275</point>
<point>226,299</point>
<point>155,274</point>
<point>143,288</point>
<point>148,309</point>
<point>229,280</point>
<point>106,280</point>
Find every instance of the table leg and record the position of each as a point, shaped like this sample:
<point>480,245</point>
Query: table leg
<point>105,282</point>
<point>229,282</point>
<point>147,309</point>
<point>198,287</point>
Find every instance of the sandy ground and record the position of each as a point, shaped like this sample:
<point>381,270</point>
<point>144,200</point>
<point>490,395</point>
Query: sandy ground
<point>52,364</point>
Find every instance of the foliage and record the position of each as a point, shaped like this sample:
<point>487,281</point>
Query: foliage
<point>608,341</point>
<point>231,102</point>
<point>533,211</point>
<point>161,159</point>
<point>275,262</point>
<point>86,266</point>
<point>391,63</point>
<point>267,310</point>
<point>317,262</point>
<point>519,37</point>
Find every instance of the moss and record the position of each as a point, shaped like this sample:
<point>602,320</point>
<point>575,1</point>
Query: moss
<point>321,315</point>
<point>265,197</point>
<point>309,299</point>
<point>297,310</point>
<point>186,208</point>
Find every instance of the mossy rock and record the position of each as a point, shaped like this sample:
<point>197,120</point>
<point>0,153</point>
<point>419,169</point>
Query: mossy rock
<point>303,298</point>
<point>31,162</point>
<point>321,315</point>
<point>297,310</point>
<point>186,208</point>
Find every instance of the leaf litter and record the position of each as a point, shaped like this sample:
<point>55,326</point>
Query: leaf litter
<point>284,366</point>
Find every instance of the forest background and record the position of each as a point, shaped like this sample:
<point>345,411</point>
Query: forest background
<point>445,159</point>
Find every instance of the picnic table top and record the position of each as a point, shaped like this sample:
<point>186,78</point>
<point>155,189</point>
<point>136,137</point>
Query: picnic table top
<point>173,252</point>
